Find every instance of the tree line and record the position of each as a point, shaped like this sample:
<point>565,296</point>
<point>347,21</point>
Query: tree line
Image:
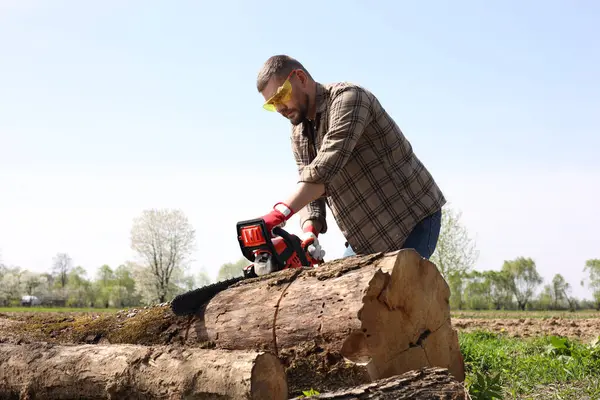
<point>163,241</point>
<point>517,285</point>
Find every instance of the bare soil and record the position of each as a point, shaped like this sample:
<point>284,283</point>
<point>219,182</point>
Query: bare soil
<point>584,329</point>
<point>7,330</point>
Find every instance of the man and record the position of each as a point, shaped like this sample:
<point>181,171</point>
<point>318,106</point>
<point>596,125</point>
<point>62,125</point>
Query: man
<point>352,156</point>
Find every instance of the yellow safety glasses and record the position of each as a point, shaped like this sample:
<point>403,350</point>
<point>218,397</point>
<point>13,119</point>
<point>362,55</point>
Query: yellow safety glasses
<point>283,94</point>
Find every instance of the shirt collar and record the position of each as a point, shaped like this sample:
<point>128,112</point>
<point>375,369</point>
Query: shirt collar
<point>320,102</point>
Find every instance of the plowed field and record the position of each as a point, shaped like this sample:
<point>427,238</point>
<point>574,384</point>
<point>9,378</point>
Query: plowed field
<point>580,325</point>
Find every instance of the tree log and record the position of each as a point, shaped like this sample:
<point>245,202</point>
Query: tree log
<point>37,371</point>
<point>388,311</point>
<point>423,384</point>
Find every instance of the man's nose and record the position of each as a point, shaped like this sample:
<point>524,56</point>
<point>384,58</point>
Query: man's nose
<point>280,108</point>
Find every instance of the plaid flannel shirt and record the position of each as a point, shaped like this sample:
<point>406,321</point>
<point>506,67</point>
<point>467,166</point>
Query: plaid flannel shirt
<point>376,187</point>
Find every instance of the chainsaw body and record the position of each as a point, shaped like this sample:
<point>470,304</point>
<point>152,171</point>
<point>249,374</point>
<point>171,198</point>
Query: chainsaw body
<point>270,253</point>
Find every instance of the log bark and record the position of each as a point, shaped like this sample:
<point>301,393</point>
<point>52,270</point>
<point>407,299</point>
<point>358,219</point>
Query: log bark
<point>37,371</point>
<point>423,384</point>
<point>389,312</point>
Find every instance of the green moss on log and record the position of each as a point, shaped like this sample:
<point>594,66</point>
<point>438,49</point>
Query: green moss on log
<point>155,325</point>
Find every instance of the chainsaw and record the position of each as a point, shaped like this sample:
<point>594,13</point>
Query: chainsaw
<point>267,253</point>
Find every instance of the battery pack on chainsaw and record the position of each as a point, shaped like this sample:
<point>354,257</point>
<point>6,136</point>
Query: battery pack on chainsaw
<point>269,253</point>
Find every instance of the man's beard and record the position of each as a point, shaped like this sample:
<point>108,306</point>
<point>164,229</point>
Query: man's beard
<point>302,112</point>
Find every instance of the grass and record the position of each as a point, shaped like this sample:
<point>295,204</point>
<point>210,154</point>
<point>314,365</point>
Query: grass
<point>546,367</point>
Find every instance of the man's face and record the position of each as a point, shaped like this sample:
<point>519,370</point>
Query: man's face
<point>293,104</point>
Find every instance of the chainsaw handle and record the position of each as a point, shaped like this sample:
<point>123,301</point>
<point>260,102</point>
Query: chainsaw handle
<point>294,244</point>
<point>253,235</point>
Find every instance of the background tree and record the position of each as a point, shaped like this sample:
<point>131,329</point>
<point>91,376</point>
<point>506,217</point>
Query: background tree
<point>500,292</point>
<point>11,287</point>
<point>545,300</point>
<point>522,279</point>
<point>78,288</point>
<point>123,294</point>
<point>561,293</point>
<point>164,240</point>
<point>61,265</point>
<point>457,281</point>
<point>557,290</point>
<point>592,267</point>
<point>104,285</point>
<point>202,278</point>
<point>45,290</point>
<point>455,254</point>
<point>477,291</point>
<point>29,281</point>
<point>455,250</point>
<point>231,270</point>
<point>105,275</point>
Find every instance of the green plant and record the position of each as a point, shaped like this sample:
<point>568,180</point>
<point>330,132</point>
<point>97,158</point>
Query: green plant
<point>308,393</point>
<point>561,347</point>
<point>486,387</point>
<point>551,366</point>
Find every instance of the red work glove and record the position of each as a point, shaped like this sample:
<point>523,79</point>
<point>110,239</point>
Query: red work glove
<point>280,214</point>
<point>310,243</point>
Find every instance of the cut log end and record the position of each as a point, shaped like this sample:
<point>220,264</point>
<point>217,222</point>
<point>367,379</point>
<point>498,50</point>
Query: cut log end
<point>268,378</point>
<point>405,320</point>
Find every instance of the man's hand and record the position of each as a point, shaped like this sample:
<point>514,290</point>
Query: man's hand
<point>310,243</point>
<point>282,211</point>
<point>280,214</point>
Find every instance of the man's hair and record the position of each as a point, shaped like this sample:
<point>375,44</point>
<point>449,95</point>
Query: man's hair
<point>277,66</point>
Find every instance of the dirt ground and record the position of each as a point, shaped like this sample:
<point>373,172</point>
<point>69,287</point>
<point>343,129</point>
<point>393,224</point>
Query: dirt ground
<point>584,329</point>
<point>7,330</point>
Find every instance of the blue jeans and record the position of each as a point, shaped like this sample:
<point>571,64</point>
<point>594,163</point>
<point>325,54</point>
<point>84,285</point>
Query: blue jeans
<point>423,237</point>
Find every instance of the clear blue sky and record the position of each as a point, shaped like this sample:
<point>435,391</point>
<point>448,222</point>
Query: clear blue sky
<point>110,107</point>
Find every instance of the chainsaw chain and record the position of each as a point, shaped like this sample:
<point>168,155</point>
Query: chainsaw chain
<point>190,302</point>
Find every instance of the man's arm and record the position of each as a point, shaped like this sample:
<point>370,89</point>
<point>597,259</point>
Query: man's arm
<point>314,212</point>
<point>304,194</point>
<point>350,113</point>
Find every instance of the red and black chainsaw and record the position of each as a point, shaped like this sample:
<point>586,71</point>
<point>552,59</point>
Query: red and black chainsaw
<point>267,253</point>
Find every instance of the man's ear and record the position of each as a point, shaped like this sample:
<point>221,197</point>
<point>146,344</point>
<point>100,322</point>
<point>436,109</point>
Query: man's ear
<point>302,77</point>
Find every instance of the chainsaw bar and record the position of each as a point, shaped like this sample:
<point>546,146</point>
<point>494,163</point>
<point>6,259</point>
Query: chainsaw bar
<point>190,302</point>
